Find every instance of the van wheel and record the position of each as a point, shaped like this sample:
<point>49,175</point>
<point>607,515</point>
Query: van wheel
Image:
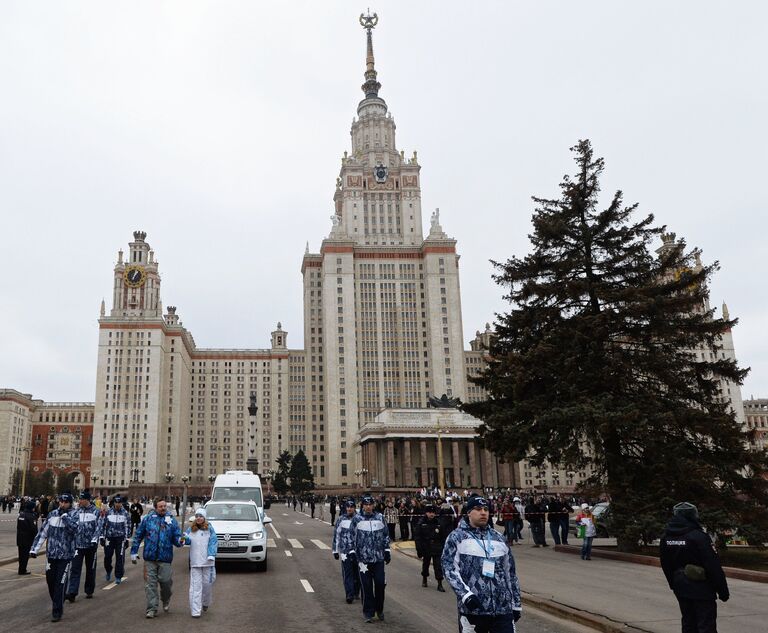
<point>261,565</point>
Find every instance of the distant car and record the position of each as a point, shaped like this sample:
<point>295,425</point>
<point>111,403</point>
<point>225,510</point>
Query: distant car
<point>242,535</point>
<point>601,524</point>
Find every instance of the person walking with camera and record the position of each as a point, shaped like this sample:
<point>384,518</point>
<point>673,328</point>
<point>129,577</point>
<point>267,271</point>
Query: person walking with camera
<point>479,566</point>
<point>693,570</point>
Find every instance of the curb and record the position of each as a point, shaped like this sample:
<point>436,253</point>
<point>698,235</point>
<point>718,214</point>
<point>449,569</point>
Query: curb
<point>15,559</point>
<point>640,559</point>
<point>592,620</point>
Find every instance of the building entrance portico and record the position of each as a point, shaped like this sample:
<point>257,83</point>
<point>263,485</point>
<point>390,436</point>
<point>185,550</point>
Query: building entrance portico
<point>399,448</point>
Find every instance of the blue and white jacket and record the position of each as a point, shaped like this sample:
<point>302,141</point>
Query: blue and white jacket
<point>343,536</point>
<point>60,529</point>
<point>89,526</point>
<point>117,524</point>
<point>203,545</point>
<point>370,537</point>
<point>160,534</point>
<point>465,551</point>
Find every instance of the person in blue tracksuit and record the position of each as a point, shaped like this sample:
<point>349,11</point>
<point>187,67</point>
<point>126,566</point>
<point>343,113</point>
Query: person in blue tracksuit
<point>342,544</point>
<point>160,533</point>
<point>60,532</point>
<point>370,542</point>
<point>114,538</point>
<point>478,564</point>
<point>88,532</point>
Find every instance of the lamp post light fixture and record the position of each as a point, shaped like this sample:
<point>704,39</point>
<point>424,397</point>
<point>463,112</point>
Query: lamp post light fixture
<point>184,479</point>
<point>169,477</point>
<point>95,479</point>
<point>440,469</point>
<point>360,474</point>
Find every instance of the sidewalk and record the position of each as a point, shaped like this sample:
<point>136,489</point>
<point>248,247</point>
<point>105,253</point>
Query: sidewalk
<point>627,594</point>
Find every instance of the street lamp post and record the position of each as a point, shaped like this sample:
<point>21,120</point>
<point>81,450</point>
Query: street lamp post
<point>440,470</point>
<point>169,477</point>
<point>185,479</point>
<point>95,479</point>
<point>252,461</point>
<point>26,450</point>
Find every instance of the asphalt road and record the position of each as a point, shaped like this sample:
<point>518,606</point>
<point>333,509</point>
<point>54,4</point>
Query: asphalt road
<point>300,591</point>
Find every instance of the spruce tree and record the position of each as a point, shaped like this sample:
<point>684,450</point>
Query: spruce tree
<point>598,365</point>
<point>280,482</point>
<point>302,479</point>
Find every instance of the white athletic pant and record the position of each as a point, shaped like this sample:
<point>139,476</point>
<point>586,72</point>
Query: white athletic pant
<point>200,588</point>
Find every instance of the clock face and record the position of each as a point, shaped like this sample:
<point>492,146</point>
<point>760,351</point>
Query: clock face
<point>134,276</point>
<point>380,173</point>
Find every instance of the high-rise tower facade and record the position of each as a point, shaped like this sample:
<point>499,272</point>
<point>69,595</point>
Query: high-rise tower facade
<point>382,309</point>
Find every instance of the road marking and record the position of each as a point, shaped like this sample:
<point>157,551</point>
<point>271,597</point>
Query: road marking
<point>288,553</point>
<point>295,543</point>
<point>271,542</point>
<point>297,523</point>
<point>285,514</point>
<point>274,529</point>
<point>307,586</point>
<point>112,585</point>
<point>319,544</point>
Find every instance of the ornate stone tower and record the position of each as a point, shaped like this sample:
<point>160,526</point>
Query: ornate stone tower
<point>382,307</point>
<point>137,282</point>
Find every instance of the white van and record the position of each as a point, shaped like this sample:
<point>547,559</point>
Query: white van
<point>240,485</point>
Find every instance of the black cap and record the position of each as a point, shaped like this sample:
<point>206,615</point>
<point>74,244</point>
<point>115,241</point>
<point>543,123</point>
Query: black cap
<point>85,495</point>
<point>429,508</point>
<point>66,497</point>
<point>367,499</point>
<point>118,499</point>
<point>349,503</point>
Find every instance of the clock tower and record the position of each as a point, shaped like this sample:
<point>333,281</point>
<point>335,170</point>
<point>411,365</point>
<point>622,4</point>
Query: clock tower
<point>137,283</point>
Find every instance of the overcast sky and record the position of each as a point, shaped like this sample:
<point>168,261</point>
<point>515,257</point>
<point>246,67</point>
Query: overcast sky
<point>218,127</point>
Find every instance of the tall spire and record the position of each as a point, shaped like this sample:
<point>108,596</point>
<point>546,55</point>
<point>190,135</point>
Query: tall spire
<point>371,85</point>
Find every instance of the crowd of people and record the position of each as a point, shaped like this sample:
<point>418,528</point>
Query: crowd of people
<point>74,531</point>
<point>455,538</point>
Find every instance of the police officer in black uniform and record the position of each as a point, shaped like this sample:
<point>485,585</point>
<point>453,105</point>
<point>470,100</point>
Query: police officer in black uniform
<point>693,570</point>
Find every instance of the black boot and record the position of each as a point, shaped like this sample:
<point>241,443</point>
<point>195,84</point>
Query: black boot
<point>440,586</point>
<point>424,582</point>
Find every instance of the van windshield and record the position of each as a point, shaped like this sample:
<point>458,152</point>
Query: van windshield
<point>237,494</point>
<point>230,512</point>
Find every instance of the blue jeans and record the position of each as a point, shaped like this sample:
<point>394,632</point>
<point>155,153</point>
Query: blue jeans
<point>586,547</point>
<point>509,530</point>
<point>554,530</point>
